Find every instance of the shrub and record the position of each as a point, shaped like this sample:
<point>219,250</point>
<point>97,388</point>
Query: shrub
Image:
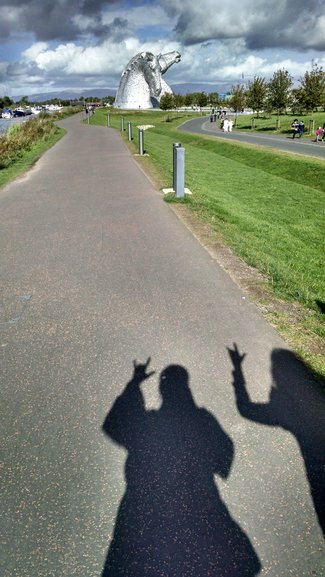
<point>21,137</point>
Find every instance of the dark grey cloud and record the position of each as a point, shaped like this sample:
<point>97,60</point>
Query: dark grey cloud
<point>292,24</point>
<point>117,31</point>
<point>53,19</point>
<point>301,27</point>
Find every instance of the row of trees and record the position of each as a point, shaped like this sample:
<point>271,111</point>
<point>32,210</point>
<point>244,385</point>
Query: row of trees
<point>277,94</point>
<point>193,99</point>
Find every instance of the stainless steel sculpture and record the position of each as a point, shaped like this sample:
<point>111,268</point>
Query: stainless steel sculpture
<point>141,84</point>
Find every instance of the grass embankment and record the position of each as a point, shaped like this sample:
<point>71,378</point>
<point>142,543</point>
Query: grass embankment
<point>279,124</point>
<point>267,206</point>
<point>22,144</point>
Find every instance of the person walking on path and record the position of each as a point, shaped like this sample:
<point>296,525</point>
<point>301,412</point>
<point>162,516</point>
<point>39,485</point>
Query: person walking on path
<point>301,127</point>
<point>294,127</point>
<point>319,134</point>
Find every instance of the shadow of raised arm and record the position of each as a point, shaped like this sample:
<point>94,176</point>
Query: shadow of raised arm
<point>296,403</point>
<point>127,415</point>
<point>257,412</point>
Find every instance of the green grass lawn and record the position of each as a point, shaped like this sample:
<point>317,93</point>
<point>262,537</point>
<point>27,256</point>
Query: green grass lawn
<point>282,124</point>
<point>268,206</point>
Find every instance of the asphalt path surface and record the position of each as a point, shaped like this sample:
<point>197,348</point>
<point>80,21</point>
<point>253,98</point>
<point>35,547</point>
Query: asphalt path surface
<point>304,146</point>
<point>200,470</point>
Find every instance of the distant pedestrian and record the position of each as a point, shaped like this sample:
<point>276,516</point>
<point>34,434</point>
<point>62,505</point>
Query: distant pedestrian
<point>225,125</point>
<point>294,127</point>
<point>301,127</point>
<point>319,134</point>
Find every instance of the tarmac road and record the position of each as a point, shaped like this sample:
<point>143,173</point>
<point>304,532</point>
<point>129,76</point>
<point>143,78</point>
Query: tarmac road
<point>304,146</point>
<point>223,478</point>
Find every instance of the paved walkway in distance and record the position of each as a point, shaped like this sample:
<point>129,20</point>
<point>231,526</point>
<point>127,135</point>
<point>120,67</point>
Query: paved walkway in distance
<point>96,272</point>
<point>304,146</point>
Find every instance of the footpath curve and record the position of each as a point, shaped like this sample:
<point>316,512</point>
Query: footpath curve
<point>302,146</point>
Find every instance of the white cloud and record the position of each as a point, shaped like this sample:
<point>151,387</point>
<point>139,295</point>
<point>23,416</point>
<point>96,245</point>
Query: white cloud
<point>33,52</point>
<point>106,58</point>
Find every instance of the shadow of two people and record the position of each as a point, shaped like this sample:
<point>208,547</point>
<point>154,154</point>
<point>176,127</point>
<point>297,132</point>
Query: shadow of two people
<point>172,521</point>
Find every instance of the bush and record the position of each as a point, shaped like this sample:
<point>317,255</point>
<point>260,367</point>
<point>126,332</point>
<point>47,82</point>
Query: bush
<point>21,137</point>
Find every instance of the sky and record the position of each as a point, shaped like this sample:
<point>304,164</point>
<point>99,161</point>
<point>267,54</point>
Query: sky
<point>54,45</point>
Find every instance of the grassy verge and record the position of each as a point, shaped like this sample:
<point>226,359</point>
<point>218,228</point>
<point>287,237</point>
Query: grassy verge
<point>280,124</point>
<point>29,157</point>
<point>267,206</point>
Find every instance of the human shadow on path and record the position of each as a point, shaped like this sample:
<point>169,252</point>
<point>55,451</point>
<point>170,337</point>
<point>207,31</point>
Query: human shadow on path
<point>297,404</point>
<point>171,520</point>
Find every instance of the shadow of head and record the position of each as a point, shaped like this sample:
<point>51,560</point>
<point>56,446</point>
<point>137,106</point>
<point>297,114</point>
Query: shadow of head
<point>174,384</point>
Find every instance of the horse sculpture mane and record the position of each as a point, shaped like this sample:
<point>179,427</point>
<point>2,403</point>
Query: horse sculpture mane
<point>141,84</point>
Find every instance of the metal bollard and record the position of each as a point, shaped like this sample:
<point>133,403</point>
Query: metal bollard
<point>122,123</point>
<point>108,120</point>
<point>175,145</point>
<point>129,131</point>
<point>141,142</point>
<point>180,172</point>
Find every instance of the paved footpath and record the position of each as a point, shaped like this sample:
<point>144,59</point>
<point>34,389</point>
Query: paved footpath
<point>224,477</point>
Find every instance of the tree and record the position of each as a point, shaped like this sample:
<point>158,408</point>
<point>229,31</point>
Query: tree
<point>256,93</point>
<point>109,99</point>
<point>213,98</point>
<point>24,101</point>
<point>201,99</point>
<point>238,97</point>
<point>297,101</point>
<point>313,86</point>
<point>5,102</point>
<point>278,90</point>
<point>167,102</point>
<point>179,100</point>
<point>188,99</point>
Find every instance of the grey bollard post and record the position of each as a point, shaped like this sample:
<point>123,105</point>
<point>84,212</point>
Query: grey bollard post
<point>180,172</point>
<point>141,142</point>
<point>129,131</point>
<point>175,145</point>
<point>122,123</point>
<point>108,120</point>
